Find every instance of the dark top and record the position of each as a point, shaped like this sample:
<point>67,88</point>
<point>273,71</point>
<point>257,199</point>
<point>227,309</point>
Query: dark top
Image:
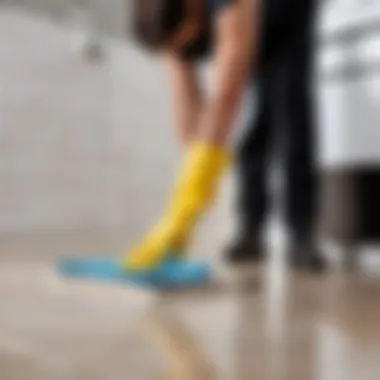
<point>216,6</point>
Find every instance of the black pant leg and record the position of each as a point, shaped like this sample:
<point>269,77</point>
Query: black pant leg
<point>298,134</point>
<point>253,157</point>
<point>256,147</point>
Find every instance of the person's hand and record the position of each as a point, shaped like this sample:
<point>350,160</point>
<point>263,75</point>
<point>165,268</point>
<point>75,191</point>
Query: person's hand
<point>152,250</point>
<point>196,188</point>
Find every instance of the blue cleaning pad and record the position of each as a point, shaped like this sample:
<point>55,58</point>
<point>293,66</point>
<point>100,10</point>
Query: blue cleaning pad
<point>170,273</point>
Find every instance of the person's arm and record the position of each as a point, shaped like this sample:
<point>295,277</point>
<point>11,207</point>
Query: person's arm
<point>185,96</point>
<point>236,37</point>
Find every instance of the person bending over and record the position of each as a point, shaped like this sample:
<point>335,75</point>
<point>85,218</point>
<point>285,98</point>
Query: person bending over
<point>181,32</point>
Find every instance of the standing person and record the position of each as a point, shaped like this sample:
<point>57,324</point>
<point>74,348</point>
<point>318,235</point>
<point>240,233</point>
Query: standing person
<point>179,31</point>
<point>283,80</point>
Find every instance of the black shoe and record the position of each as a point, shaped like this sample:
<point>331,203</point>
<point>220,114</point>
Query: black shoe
<point>306,256</point>
<point>245,250</point>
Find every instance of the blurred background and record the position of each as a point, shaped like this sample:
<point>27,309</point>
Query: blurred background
<point>83,115</point>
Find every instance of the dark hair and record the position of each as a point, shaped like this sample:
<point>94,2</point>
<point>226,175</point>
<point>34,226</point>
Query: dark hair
<point>155,21</point>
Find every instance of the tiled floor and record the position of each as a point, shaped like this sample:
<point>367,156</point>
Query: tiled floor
<point>286,326</point>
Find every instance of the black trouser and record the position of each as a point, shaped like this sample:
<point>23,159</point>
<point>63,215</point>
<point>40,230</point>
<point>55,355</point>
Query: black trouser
<point>285,120</point>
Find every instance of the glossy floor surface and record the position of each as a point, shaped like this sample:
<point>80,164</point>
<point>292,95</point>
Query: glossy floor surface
<point>268,324</point>
<point>284,326</point>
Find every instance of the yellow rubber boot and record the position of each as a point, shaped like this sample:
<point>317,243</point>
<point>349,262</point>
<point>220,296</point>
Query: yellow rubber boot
<point>195,188</point>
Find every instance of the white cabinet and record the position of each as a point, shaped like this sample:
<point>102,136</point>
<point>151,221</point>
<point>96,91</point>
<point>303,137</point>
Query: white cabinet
<point>348,90</point>
<point>348,83</point>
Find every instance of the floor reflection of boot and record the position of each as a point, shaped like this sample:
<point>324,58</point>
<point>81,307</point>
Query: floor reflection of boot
<point>186,361</point>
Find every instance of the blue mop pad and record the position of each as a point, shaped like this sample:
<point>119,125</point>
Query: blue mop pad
<point>170,273</point>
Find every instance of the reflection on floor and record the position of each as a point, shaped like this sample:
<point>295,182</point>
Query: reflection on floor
<point>287,326</point>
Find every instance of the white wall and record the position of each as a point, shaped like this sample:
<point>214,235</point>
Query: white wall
<point>109,16</point>
<point>77,140</point>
